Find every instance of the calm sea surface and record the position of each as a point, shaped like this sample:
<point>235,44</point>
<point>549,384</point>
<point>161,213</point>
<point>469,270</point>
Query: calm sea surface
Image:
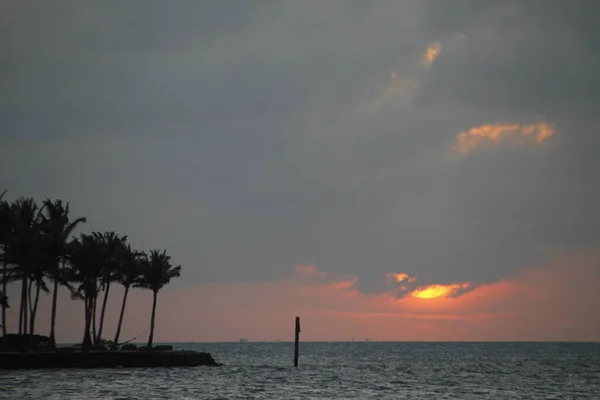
<point>371,370</point>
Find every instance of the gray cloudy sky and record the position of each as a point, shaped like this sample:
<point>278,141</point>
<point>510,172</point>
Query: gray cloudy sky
<point>247,137</point>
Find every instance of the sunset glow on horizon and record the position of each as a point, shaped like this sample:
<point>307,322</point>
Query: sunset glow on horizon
<point>525,307</point>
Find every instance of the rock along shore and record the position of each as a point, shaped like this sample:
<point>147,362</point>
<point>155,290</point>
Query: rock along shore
<point>105,359</point>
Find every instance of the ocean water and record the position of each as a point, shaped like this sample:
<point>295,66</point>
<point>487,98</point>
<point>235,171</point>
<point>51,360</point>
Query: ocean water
<point>356,370</point>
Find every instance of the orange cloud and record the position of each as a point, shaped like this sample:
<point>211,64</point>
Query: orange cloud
<point>424,292</point>
<point>435,291</point>
<point>497,133</point>
<point>432,52</point>
<point>400,277</point>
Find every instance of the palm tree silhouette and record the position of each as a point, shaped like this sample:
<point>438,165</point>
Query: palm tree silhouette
<point>26,253</point>
<point>37,247</point>
<point>156,272</point>
<point>111,245</point>
<point>5,235</point>
<point>129,274</point>
<point>57,228</point>
<point>86,260</point>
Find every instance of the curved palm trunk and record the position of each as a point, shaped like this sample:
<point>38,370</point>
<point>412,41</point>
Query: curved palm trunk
<point>53,315</point>
<point>32,306</point>
<point>93,312</point>
<point>32,309</point>
<point>23,309</point>
<point>116,341</point>
<point>21,316</point>
<point>99,338</point>
<point>151,337</point>
<point>4,273</point>
<point>29,303</point>
<point>35,309</point>
<point>86,343</point>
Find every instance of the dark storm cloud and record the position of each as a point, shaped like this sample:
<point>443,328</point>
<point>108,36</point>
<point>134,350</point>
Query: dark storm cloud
<point>541,50</point>
<point>249,137</point>
<point>531,59</point>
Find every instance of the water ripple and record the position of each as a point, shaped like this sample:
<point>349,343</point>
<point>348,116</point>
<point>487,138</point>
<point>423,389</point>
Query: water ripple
<point>337,371</point>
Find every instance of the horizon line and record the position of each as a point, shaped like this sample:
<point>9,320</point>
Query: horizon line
<point>372,341</point>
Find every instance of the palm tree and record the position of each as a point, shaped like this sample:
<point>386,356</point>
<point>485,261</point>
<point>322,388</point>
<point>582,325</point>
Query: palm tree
<point>112,245</point>
<point>128,275</point>
<point>57,229</point>
<point>25,252</point>
<point>86,260</point>
<point>38,273</point>
<point>156,272</point>
<point>5,237</point>
<point>35,248</point>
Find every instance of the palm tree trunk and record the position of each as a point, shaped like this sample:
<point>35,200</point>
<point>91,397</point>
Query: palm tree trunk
<point>34,310</point>
<point>86,343</point>
<point>4,276</point>
<point>29,302</point>
<point>21,316</point>
<point>93,304</point>
<point>116,341</point>
<point>23,309</point>
<point>107,289</point>
<point>151,337</point>
<point>53,314</point>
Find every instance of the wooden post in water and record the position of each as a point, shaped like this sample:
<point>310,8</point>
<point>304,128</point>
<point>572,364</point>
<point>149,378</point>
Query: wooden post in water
<point>297,341</point>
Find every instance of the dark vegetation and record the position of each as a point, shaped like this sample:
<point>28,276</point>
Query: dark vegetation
<point>105,359</point>
<point>39,252</point>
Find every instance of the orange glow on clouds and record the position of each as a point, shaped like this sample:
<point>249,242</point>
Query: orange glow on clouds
<point>432,52</point>
<point>424,292</point>
<point>497,133</point>
<point>435,291</point>
<point>399,277</point>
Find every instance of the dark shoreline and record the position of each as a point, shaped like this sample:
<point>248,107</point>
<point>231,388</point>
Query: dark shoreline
<point>105,359</point>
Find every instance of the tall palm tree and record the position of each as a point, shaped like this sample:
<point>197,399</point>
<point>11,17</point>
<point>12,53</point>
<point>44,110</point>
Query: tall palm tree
<point>5,237</point>
<point>35,248</point>
<point>156,272</point>
<point>128,275</point>
<point>25,252</point>
<point>112,245</point>
<point>38,273</point>
<point>99,269</point>
<point>86,260</point>
<point>57,229</point>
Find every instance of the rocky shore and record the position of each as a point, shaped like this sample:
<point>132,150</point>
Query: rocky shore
<point>105,359</point>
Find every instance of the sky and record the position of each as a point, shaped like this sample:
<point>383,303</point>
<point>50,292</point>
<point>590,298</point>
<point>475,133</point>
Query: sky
<point>391,170</point>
